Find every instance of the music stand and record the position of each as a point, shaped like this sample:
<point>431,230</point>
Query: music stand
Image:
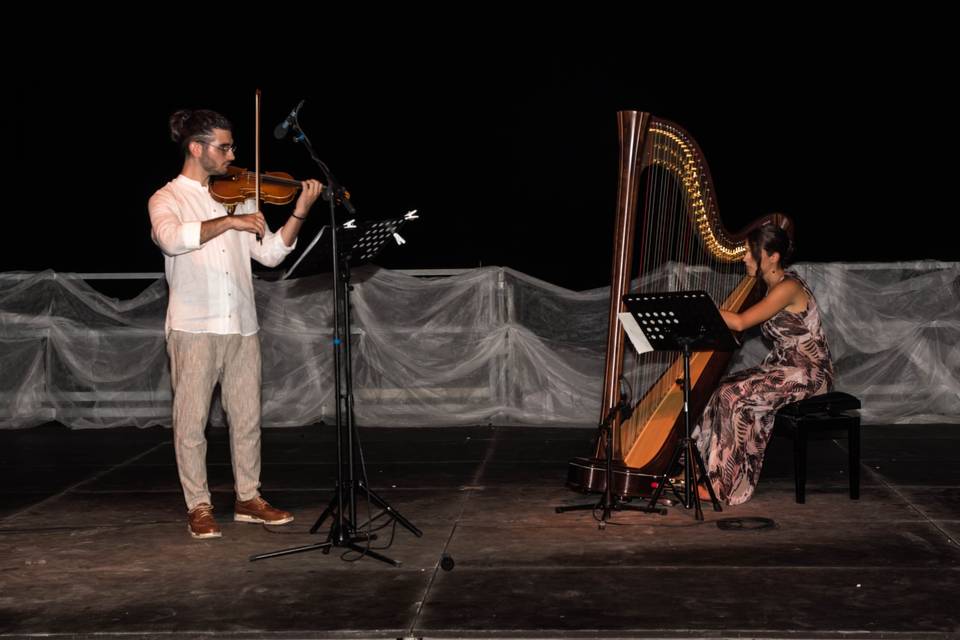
<point>364,242</point>
<point>684,321</point>
<point>343,531</point>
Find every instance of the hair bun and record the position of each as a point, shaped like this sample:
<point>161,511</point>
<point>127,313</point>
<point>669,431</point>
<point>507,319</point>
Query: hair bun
<point>178,121</point>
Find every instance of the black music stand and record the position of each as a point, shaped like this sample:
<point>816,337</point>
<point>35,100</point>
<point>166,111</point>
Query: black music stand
<point>364,241</point>
<point>684,321</point>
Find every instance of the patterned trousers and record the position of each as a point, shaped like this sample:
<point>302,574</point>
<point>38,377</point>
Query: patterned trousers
<point>198,361</point>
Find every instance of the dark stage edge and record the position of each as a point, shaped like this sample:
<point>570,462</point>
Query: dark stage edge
<point>93,543</point>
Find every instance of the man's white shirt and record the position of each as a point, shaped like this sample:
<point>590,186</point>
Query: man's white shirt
<point>211,286</point>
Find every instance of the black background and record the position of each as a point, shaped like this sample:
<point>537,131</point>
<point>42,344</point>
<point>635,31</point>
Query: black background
<point>505,144</point>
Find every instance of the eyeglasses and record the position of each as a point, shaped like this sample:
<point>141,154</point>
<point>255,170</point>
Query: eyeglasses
<point>225,148</point>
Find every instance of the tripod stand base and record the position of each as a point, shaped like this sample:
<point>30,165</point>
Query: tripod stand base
<point>343,532</point>
<point>372,496</point>
<point>325,547</point>
<point>613,479</point>
<point>693,470</point>
<point>607,509</point>
<point>607,505</point>
<point>618,506</point>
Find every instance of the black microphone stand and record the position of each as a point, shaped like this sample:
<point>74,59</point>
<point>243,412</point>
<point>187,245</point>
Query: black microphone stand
<point>343,506</point>
<point>608,501</point>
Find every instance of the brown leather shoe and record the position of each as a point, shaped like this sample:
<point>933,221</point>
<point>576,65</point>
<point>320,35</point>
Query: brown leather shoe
<point>259,511</point>
<point>200,522</point>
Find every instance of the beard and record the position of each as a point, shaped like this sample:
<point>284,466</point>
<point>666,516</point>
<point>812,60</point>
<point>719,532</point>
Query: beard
<point>212,167</point>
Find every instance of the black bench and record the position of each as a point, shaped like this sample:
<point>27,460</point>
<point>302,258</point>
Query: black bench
<point>833,412</point>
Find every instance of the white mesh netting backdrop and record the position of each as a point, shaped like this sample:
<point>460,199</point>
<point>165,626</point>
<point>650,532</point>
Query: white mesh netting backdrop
<point>490,345</point>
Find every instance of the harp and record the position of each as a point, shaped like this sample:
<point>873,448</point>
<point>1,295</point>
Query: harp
<point>668,237</point>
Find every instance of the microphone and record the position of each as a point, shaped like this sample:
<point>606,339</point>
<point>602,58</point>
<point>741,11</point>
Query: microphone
<point>280,132</point>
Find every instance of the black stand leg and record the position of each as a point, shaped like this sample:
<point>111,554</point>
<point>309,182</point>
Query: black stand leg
<point>800,462</point>
<point>695,453</point>
<point>853,446</point>
<point>374,499</point>
<point>343,533</point>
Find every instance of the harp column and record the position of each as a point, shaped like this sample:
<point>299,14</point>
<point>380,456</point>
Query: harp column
<point>632,127</point>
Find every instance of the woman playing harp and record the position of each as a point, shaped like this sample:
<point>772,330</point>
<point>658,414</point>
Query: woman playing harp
<point>736,425</point>
<point>668,237</point>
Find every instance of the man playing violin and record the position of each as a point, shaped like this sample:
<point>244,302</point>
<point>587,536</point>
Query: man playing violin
<point>211,323</point>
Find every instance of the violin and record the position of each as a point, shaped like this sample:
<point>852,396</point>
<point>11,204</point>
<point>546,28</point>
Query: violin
<point>240,184</point>
<point>274,187</point>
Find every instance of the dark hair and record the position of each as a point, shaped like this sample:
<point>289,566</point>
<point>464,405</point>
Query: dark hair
<point>774,239</point>
<point>187,125</point>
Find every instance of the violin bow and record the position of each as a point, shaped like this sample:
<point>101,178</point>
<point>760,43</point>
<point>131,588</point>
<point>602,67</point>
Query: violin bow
<point>256,152</point>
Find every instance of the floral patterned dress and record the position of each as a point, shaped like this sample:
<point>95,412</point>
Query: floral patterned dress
<point>737,422</point>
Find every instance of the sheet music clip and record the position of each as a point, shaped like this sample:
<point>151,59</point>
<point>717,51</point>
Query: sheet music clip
<point>363,240</point>
<point>372,238</point>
